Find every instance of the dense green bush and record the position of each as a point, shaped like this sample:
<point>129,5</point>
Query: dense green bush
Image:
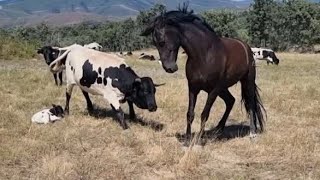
<point>13,48</point>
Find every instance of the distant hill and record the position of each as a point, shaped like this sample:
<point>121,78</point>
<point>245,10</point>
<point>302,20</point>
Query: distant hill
<point>61,12</point>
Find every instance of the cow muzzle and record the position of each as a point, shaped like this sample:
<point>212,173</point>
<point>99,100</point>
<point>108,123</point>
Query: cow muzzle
<point>152,108</point>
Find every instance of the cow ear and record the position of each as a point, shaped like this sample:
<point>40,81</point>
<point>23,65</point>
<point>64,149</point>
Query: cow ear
<point>39,51</point>
<point>136,83</point>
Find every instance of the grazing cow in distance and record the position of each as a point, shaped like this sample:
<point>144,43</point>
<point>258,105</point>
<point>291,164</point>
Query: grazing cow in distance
<point>106,75</point>
<point>50,54</point>
<point>265,54</point>
<point>94,46</point>
<point>147,57</point>
<point>129,53</point>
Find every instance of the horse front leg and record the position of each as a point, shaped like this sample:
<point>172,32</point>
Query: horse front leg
<point>212,96</point>
<point>193,94</point>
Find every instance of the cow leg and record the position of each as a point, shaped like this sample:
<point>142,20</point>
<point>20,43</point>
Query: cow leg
<point>120,117</point>
<point>68,96</point>
<point>60,77</point>
<point>89,103</point>
<point>132,114</point>
<point>55,78</point>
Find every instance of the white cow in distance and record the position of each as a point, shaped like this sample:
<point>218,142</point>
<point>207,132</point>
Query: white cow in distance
<point>265,54</point>
<point>94,46</point>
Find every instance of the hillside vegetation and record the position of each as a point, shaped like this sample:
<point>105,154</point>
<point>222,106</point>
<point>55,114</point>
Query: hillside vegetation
<point>282,26</point>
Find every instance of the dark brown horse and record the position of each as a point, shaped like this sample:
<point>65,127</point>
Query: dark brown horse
<point>214,64</point>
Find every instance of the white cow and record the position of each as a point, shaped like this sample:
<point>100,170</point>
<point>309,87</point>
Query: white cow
<point>106,75</point>
<point>265,54</point>
<point>94,46</point>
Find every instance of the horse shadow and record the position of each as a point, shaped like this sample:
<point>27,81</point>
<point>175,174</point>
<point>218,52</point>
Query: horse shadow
<point>102,113</point>
<point>231,131</point>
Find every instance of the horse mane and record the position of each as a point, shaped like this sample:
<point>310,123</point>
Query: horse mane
<point>181,15</point>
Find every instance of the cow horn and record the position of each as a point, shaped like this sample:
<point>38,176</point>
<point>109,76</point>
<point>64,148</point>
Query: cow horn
<point>137,80</point>
<point>157,85</point>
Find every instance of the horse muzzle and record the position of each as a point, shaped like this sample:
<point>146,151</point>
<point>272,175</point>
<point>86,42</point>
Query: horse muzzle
<point>171,69</point>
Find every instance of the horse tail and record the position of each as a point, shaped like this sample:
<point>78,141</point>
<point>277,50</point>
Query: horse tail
<point>251,98</point>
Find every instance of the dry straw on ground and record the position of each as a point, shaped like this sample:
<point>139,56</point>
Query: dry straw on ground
<point>85,147</point>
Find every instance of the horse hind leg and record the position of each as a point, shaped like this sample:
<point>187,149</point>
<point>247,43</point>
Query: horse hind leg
<point>229,101</point>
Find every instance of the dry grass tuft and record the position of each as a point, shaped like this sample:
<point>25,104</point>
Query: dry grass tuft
<point>84,147</point>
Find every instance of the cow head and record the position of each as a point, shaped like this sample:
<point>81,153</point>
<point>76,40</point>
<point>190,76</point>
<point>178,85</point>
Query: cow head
<point>49,53</point>
<point>57,110</point>
<point>143,94</point>
<point>274,58</point>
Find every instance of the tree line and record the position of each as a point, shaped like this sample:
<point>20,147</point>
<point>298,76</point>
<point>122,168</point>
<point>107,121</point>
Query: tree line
<point>281,25</point>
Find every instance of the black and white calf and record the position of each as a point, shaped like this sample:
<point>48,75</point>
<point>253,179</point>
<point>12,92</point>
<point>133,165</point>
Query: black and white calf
<point>106,75</point>
<point>265,54</point>
<point>50,54</point>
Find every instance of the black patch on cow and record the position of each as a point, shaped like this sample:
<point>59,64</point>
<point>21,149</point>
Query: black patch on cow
<point>122,77</point>
<point>99,70</point>
<point>265,53</point>
<point>105,81</point>
<point>89,76</point>
<point>99,80</point>
<point>71,68</point>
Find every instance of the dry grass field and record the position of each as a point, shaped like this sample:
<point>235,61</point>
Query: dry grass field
<point>85,147</point>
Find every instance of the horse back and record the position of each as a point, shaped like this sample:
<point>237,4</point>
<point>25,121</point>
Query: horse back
<point>238,57</point>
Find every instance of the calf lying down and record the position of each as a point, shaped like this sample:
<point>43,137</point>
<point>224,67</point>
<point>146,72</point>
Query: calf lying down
<point>106,75</point>
<point>48,115</point>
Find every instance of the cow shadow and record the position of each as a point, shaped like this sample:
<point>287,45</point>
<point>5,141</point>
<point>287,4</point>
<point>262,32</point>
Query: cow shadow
<point>230,131</point>
<point>102,113</point>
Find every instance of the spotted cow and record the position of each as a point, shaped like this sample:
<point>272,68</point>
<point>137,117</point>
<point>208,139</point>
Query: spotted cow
<point>107,75</point>
<point>265,54</point>
<point>50,54</point>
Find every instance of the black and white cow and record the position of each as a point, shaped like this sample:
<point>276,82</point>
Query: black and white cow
<point>106,75</point>
<point>50,54</point>
<point>265,54</point>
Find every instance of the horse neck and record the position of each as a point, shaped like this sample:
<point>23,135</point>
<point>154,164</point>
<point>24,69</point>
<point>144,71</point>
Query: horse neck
<point>196,40</point>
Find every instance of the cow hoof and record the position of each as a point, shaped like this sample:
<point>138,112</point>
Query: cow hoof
<point>124,126</point>
<point>253,136</point>
<point>66,112</point>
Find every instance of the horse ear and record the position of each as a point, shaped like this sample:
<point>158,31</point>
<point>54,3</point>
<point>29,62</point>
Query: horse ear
<point>148,30</point>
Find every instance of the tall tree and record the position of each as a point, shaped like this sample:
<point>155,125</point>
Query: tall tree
<point>260,20</point>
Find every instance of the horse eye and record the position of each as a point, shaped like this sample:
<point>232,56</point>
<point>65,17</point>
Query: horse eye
<point>161,44</point>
